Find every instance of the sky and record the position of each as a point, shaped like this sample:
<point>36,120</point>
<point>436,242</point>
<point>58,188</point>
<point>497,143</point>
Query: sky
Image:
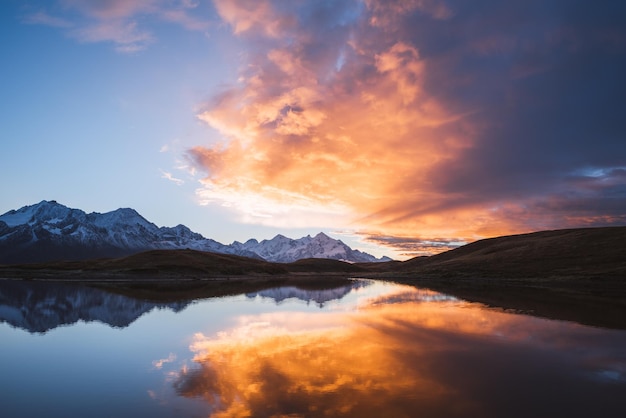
<point>403,127</point>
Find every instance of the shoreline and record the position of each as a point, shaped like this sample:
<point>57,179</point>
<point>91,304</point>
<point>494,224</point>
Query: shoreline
<point>552,298</point>
<point>602,305</point>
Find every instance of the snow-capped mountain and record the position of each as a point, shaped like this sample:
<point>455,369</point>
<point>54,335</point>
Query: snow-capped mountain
<point>281,249</point>
<point>50,231</point>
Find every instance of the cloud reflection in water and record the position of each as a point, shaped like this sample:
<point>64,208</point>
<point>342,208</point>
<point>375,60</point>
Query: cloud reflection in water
<point>419,355</point>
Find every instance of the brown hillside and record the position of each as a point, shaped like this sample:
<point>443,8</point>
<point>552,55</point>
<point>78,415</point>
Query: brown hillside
<point>572,252</point>
<point>154,264</point>
<point>190,261</point>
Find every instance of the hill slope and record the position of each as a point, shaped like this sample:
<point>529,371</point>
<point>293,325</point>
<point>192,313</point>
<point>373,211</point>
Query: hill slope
<point>585,252</point>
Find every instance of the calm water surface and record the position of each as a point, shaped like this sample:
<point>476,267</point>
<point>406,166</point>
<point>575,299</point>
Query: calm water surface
<point>368,349</point>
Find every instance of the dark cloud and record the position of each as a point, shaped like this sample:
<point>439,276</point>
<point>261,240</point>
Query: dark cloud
<point>543,78</point>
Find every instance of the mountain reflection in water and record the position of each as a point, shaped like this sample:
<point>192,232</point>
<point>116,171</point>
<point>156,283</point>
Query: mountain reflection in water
<point>405,354</point>
<point>319,296</point>
<point>38,307</point>
<point>356,349</point>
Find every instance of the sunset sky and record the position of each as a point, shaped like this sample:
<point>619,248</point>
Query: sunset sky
<point>401,127</point>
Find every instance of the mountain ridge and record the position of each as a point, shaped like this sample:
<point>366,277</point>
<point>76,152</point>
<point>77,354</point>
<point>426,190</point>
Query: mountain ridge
<point>561,252</point>
<point>49,231</point>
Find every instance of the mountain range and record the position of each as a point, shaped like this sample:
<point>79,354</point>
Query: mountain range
<point>49,231</point>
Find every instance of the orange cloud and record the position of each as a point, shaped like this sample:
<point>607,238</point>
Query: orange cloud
<point>364,138</point>
<point>344,140</point>
<point>407,119</point>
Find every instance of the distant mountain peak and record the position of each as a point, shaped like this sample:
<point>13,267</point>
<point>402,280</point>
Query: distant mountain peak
<point>43,203</point>
<point>285,250</point>
<point>46,203</point>
<point>127,212</point>
<point>279,237</point>
<point>44,210</point>
<point>50,231</point>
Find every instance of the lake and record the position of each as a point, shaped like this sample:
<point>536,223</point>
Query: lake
<point>362,349</point>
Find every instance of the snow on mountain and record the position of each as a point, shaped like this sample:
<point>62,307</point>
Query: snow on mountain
<point>285,250</point>
<point>50,231</point>
<point>49,212</point>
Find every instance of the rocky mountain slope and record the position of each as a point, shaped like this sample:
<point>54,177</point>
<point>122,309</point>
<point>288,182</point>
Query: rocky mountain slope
<point>49,231</point>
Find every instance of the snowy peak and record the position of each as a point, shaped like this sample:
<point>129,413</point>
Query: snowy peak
<point>43,211</point>
<point>286,250</point>
<point>277,240</point>
<point>123,216</point>
<point>49,231</point>
<point>322,237</point>
<point>179,233</point>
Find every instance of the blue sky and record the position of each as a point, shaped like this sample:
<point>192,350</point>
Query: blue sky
<point>400,127</point>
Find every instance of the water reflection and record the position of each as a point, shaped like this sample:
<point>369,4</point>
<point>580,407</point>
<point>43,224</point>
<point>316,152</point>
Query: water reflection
<point>376,350</point>
<point>408,353</point>
<point>38,307</point>
<point>318,296</point>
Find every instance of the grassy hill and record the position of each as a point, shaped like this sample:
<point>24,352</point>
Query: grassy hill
<point>586,252</point>
<point>155,264</point>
